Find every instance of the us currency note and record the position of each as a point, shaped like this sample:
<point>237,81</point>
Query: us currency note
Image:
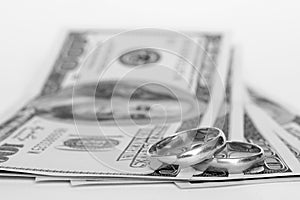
<point>279,161</point>
<point>284,116</point>
<point>230,116</point>
<point>272,162</point>
<point>283,119</point>
<point>116,181</point>
<point>222,122</point>
<point>279,164</point>
<point>16,174</point>
<point>62,133</point>
<point>79,181</point>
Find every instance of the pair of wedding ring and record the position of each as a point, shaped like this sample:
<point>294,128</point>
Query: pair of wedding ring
<point>202,148</point>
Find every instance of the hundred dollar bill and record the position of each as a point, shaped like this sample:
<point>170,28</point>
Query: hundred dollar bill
<point>115,181</point>
<point>278,162</point>
<point>250,130</point>
<point>222,122</point>
<point>78,181</point>
<point>285,117</point>
<point>16,174</point>
<point>272,163</point>
<point>230,116</point>
<point>109,96</point>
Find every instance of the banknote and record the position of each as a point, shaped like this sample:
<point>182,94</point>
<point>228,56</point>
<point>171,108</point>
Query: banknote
<point>283,119</point>
<point>16,174</point>
<point>286,117</point>
<point>279,165</point>
<point>81,181</point>
<point>224,117</point>
<point>109,96</point>
<point>267,105</point>
<point>230,116</point>
<point>116,181</point>
<point>253,130</point>
<point>278,162</point>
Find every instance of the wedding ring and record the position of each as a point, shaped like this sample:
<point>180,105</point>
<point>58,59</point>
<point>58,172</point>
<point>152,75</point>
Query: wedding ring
<point>187,147</point>
<point>236,157</point>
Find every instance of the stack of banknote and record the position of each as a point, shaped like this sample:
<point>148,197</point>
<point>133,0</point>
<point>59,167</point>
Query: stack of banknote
<point>112,94</point>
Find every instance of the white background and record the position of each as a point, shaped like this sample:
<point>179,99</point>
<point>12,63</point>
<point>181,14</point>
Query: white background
<point>268,31</point>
